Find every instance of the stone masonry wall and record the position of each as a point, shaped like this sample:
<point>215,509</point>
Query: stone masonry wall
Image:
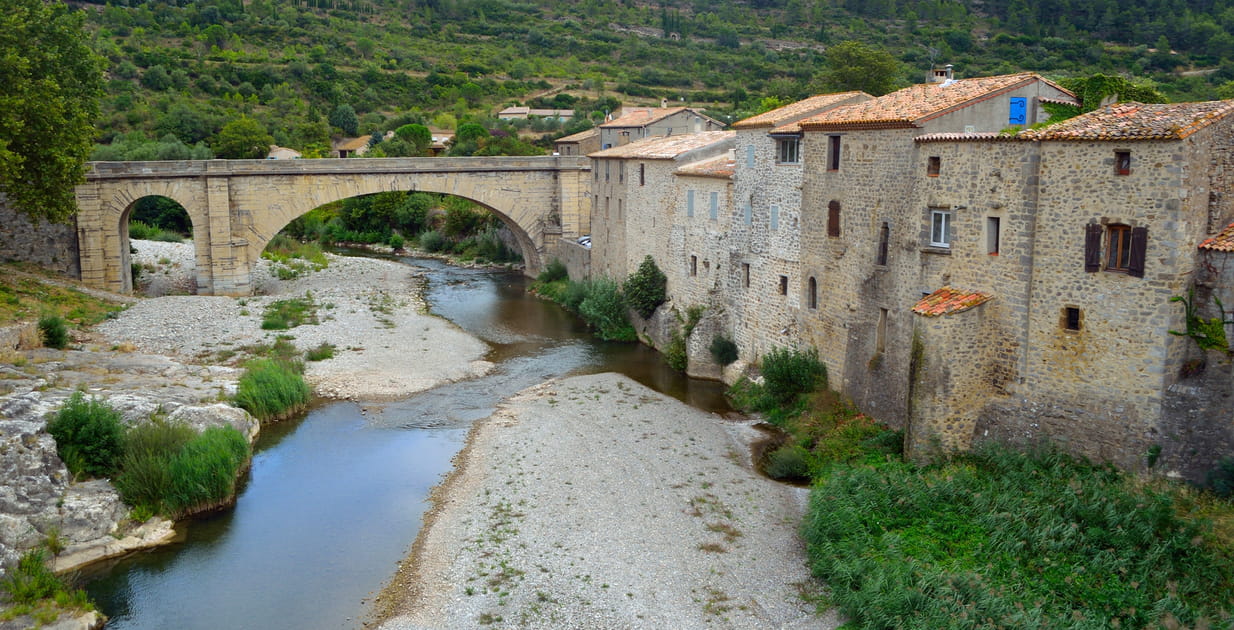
<point>50,245</point>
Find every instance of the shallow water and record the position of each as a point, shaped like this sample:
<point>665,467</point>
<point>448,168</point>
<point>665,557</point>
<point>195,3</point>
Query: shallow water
<point>334,500</point>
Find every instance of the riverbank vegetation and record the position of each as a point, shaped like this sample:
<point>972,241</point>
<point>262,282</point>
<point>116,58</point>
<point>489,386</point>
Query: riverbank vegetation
<point>31,588</point>
<point>992,538</point>
<point>599,301</point>
<point>25,296</point>
<point>272,389</point>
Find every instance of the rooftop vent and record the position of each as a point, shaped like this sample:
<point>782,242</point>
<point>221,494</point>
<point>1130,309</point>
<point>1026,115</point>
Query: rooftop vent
<point>942,75</point>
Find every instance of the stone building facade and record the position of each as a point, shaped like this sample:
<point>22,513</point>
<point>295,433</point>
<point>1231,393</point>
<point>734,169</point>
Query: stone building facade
<point>970,285</point>
<point>639,123</point>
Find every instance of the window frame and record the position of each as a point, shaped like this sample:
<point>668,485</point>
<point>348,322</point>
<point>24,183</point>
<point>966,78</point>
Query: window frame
<point>1122,162</point>
<point>1117,252</point>
<point>812,293</point>
<point>884,244</point>
<point>833,219</point>
<point>788,149</point>
<point>948,235</point>
<point>833,153</point>
<point>933,165</point>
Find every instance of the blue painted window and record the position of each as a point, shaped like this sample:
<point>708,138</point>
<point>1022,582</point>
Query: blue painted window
<point>715,206</point>
<point>750,156</point>
<point>749,212</point>
<point>1019,111</point>
<point>689,203</point>
<point>775,217</point>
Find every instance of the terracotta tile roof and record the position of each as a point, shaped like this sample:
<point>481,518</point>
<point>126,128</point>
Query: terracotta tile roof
<point>1136,121</point>
<point>643,116</point>
<point>666,147</point>
<point>721,167</point>
<point>796,110</point>
<point>914,105</point>
<point>1222,242</point>
<point>947,300</point>
<point>982,136</point>
<point>353,144</point>
<point>580,136</point>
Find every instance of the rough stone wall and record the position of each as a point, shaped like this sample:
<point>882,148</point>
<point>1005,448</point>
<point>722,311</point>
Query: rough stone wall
<point>697,259</point>
<point>608,228</point>
<point>49,245</point>
<point>575,257</point>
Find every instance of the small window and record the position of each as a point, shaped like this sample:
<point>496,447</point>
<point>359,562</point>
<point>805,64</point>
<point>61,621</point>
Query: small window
<point>714,211</point>
<point>1118,248</point>
<point>884,236</point>
<point>788,150</point>
<point>748,210</point>
<point>694,265</point>
<point>689,203</point>
<point>745,275</point>
<point>1071,318</point>
<point>1122,162</point>
<point>783,285</point>
<point>642,174</point>
<point>940,228</point>
<point>833,153</point>
<point>992,226</point>
<point>880,333</point>
<point>933,165</point>
<point>621,172</point>
<point>833,219</point>
<point>607,170</point>
<point>750,156</point>
<point>812,293</point>
<point>775,217</point>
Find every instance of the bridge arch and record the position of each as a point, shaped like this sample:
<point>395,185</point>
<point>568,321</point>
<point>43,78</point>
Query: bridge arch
<point>237,206</point>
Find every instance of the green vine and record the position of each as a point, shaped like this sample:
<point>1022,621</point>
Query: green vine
<point>1209,334</point>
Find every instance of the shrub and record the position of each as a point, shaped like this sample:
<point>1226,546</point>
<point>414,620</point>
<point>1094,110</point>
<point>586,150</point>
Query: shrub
<point>723,349</point>
<point>788,373</point>
<point>321,352</point>
<point>54,331</point>
<point>789,462</point>
<point>144,480</point>
<point>645,289</point>
<point>203,474</point>
<point>574,295</point>
<point>396,241</point>
<point>1221,479</point>
<point>289,313</point>
<point>675,352</point>
<point>432,241</point>
<point>89,436</point>
<point>605,310</point>
<point>555,270</point>
<point>31,581</point>
<point>271,389</point>
<point>142,231</point>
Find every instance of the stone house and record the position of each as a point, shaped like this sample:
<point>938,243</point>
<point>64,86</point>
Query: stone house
<point>581,143</point>
<point>637,123</point>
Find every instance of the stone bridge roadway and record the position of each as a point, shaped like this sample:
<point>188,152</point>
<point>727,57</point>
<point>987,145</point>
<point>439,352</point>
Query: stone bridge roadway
<point>237,206</point>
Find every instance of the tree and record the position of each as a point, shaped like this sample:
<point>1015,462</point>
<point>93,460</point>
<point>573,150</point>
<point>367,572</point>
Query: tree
<point>52,83</point>
<point>418,135</point>
<point>243,139</point>
<point>853,65</point>
<point>344,117</point>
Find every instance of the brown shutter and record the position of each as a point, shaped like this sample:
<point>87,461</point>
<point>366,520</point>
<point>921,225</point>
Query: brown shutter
<point>1139,251</point>
<point>1092,247</point>
<point>833,219</point>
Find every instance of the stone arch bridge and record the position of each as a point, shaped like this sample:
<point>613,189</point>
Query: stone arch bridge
<point>237,206</point>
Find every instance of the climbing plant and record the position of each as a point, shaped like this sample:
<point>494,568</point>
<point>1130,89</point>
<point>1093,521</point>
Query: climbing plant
<point>1209,333</point>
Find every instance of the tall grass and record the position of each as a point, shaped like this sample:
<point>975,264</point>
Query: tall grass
<point>1004,539</point>
<point>203,474</point>
<point>89,436</point>
<point>32,582</point>
<point>144,480</point>
<point>271,390</point>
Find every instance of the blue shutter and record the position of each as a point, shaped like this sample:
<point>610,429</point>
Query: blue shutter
<point>689,203</point>
<point>775,217</point>
<point>750,156</point>
<point>715,206</point>
<point>1019,111</point>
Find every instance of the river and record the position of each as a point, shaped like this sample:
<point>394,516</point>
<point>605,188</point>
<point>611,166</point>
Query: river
<point>335,498</point>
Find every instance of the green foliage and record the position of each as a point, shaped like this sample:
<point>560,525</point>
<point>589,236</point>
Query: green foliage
<point>54,331</point>
<point>1221,478</point>
<point>604,309</point>
<point>52,82</point>
<point>289,313</point>
<point>271,389</point>
<point>675,353</point>
<point>144,480</point>
<point>418,135</point>
<point>136,146</point>
<point>344,117</point>
<point>555,270</point>
<point>997,538</point>
<point>293,258</point>
<point>203,474</point>
<point>144,232</point>
<point>1208,334</point>
<point>321,352</point>
<point>645,289</point>
<point>788,462</point>
<point>789,373</point>
<point>853,65</point>
<point>243,138</point>
<point>89,436</point>
<point>32,583</point>
<point>723,349</point>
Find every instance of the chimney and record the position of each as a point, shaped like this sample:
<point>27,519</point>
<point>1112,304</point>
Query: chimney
<point>941,75</point>
<point>664,102</point>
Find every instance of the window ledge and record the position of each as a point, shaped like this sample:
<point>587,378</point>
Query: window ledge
<point>934,249</point>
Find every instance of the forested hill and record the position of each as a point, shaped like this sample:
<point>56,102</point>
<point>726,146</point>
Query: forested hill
<point>309,69</point>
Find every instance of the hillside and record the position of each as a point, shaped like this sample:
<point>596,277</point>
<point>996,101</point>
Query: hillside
<point>297,66</point>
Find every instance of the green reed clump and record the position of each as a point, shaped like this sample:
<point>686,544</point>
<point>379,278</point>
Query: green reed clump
<point>271,390</point>
<point>89,436</point>
<point>203,474</point>
<point>998,538</point>
<point>31,584</point>
<point>144,480</point>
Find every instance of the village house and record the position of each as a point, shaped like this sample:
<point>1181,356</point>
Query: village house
<point>637,123</point>
<point>961,277</point>
<point>581,143</point>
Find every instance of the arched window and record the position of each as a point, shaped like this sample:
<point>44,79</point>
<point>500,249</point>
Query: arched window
<point>833,219</point>
<point>812,295</point>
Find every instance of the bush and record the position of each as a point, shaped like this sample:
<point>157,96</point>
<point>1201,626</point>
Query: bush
<point>203,474</point>
<point>145,470</point>
<point>321,352</point>
<point>289,313</point>
<point>31,581</point>
<point>89,436</point>
<point>605,310</point>
<point>789,462</point>
<point>1221,479</point>
<point>555,270</point>
<point>723,349</point>
<point>574,295</point>
<point>432,241</point>
<point>271,389</point>
<point>142,231</point>
<point>396,241</point>
<point>675,353</point>
<point>54,331</point>
<point>788,373</point>
<point>645,289</point>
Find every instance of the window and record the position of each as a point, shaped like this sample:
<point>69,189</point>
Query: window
<point>833,153</point>
<point>748,210</point>
<point>880,333</point>
<point>783,285</point>
<point>642,174</point>
<point>775,217</point>
<point>1122,162</point>
<point>607,164</point>
<point>694,265</point>
<point>884,236</point>
<point>1071,318</point>
<point>1126,248</point>
<point>788,150</point>
<point>750,156</point>
<point>992,225</point>
<point>689,203</point>
<point>940,228</point>
<point>745,275</point>
<point>812,293</point>
<point>833,218</point>
<point>714,211</point>
<point>621,172</point>
<point>933,165</point>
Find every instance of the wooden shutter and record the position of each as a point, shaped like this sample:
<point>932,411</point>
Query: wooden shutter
<point>833,219</point>
<point>1139,251</point>
<point>1092,247</point>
